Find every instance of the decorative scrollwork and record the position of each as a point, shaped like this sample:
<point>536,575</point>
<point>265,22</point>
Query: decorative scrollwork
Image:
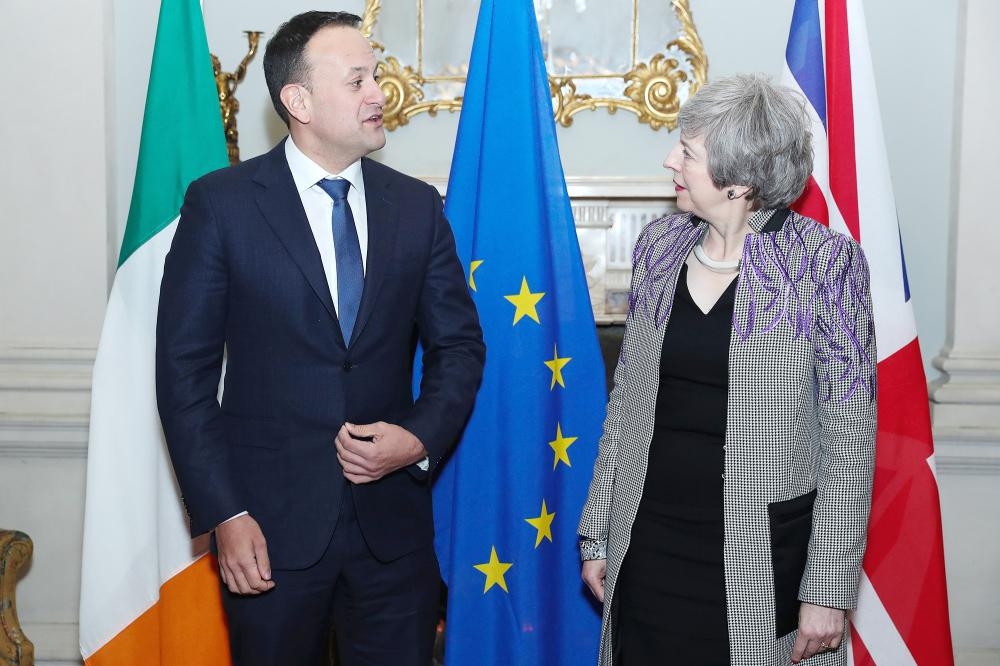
<point>653,90</point>
<point>567,102</point>
<point>653,87</point>
<point>689,43</point>
<point>403,91</point>
<point>368,20</point>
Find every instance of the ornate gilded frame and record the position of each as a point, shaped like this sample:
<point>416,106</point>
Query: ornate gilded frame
<point>651,89</point>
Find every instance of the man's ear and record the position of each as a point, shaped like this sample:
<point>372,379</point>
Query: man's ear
<point>297,101</point>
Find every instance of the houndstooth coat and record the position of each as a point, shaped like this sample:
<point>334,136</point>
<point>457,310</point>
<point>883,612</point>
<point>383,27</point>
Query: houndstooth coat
<point>800,432</point>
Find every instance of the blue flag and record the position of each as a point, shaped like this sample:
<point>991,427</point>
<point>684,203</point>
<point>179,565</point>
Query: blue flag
<point>507,503</point>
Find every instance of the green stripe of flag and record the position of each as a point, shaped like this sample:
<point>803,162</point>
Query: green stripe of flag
<point>182,134</point>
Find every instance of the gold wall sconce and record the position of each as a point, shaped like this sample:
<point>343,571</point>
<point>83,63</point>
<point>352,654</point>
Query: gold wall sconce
<point>226,83</point>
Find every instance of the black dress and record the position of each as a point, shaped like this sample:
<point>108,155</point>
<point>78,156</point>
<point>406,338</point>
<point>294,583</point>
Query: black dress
<point>671,596</point>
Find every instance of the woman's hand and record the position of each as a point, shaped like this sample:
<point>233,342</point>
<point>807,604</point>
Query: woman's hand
<point>820,629</point>
<point>593,575</point>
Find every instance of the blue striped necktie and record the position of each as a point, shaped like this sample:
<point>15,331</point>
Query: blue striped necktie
<point>350,269</point>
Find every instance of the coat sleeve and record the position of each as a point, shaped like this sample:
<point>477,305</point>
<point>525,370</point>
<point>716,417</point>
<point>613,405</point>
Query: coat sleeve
<point>593,528</point>
<point>453,349</point>
<point>190,340</point>
<point>845,369</point>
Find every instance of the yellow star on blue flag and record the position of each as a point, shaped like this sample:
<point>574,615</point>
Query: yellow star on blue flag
<point>494,570</point>
<point>561,447</point>
<point>542,524</point>
<point>476,263</point>
<point>556,365</point>
<point>525,302</point>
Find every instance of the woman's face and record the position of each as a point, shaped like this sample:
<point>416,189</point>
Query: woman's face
<point>695,190</point>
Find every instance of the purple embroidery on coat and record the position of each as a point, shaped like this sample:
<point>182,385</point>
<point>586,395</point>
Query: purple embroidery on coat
<point>658,252</point>
<point>845,364</point>
<point>777,270</point>
<point>822,294</point>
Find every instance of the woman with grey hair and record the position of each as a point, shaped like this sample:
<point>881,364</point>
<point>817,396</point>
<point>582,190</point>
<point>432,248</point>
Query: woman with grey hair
<point>727,514</point>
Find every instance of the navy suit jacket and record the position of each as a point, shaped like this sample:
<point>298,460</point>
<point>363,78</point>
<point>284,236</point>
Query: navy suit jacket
<point>244,275</point>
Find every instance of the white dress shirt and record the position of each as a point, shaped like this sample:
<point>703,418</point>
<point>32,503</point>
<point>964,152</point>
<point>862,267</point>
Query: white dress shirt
<point>319,208</point>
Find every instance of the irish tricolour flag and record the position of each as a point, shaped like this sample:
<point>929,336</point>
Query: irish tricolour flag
<point>150,595</point>
<point>902,615</point>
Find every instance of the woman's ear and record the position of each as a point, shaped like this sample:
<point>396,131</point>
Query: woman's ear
<point>739,192</point>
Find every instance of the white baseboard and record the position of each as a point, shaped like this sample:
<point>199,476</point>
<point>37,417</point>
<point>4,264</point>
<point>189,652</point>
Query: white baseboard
<point>55,642</point>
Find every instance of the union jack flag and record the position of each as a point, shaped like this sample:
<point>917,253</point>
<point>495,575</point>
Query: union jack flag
<point>902,614</point>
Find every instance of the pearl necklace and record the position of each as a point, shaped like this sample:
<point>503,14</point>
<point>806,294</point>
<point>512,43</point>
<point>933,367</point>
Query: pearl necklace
<point>713,265</point>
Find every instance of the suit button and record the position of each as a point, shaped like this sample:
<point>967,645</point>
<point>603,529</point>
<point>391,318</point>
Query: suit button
<point>347,366</point>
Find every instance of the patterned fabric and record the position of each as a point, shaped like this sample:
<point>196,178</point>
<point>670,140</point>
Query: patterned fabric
<point>801,415</point>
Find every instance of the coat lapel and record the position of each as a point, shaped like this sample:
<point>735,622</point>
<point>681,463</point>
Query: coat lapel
<point>281,206</point>
<point>383,218</point>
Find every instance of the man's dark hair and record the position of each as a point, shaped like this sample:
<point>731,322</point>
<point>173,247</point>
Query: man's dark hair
<point>284,56</point>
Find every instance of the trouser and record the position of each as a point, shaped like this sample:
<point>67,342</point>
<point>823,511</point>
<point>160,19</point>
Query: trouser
<point>384,613</point>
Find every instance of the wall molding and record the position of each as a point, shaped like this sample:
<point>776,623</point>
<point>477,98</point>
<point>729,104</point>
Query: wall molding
<point>46,395</point>
<point>43,436</point>
<point>967,395</point>
<point>965,411</point>
<point>54,641</point>
<point>45,392</point>
<point>967,451</point>
<point>46,368</point>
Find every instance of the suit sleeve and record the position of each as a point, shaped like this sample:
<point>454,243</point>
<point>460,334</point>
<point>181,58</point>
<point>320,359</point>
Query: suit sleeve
<point>453,349</point>
<point>190,340</point>
<point>845,369</point>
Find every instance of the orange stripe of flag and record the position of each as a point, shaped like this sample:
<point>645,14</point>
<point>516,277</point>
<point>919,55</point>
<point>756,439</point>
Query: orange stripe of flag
<point>186,626</point>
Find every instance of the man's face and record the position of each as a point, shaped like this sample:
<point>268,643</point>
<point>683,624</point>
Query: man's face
<point>343,118</point>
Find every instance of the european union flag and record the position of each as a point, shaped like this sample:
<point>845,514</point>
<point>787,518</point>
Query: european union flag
<point>507,503</point>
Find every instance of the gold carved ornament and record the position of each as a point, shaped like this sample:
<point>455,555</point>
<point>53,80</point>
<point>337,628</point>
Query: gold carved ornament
<point>226,83</point>
<point>651,89</point>
<point>15,554</point>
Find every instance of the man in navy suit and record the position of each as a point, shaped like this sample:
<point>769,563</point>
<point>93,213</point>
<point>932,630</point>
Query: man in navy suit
<point>316,271</point>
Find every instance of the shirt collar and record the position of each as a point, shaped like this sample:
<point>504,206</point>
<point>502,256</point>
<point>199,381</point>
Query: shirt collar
<point>306,173</point>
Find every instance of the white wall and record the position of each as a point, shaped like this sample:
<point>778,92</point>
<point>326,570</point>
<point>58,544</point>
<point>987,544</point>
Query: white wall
<point>70,130</point>
<point>53,280</point>
<point>52,172</point>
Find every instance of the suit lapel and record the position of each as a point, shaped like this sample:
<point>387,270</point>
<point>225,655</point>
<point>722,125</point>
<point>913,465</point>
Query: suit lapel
<point>281,206</point>
<point>383,217</point>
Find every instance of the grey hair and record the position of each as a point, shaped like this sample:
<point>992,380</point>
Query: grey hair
<point>756,134</point>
